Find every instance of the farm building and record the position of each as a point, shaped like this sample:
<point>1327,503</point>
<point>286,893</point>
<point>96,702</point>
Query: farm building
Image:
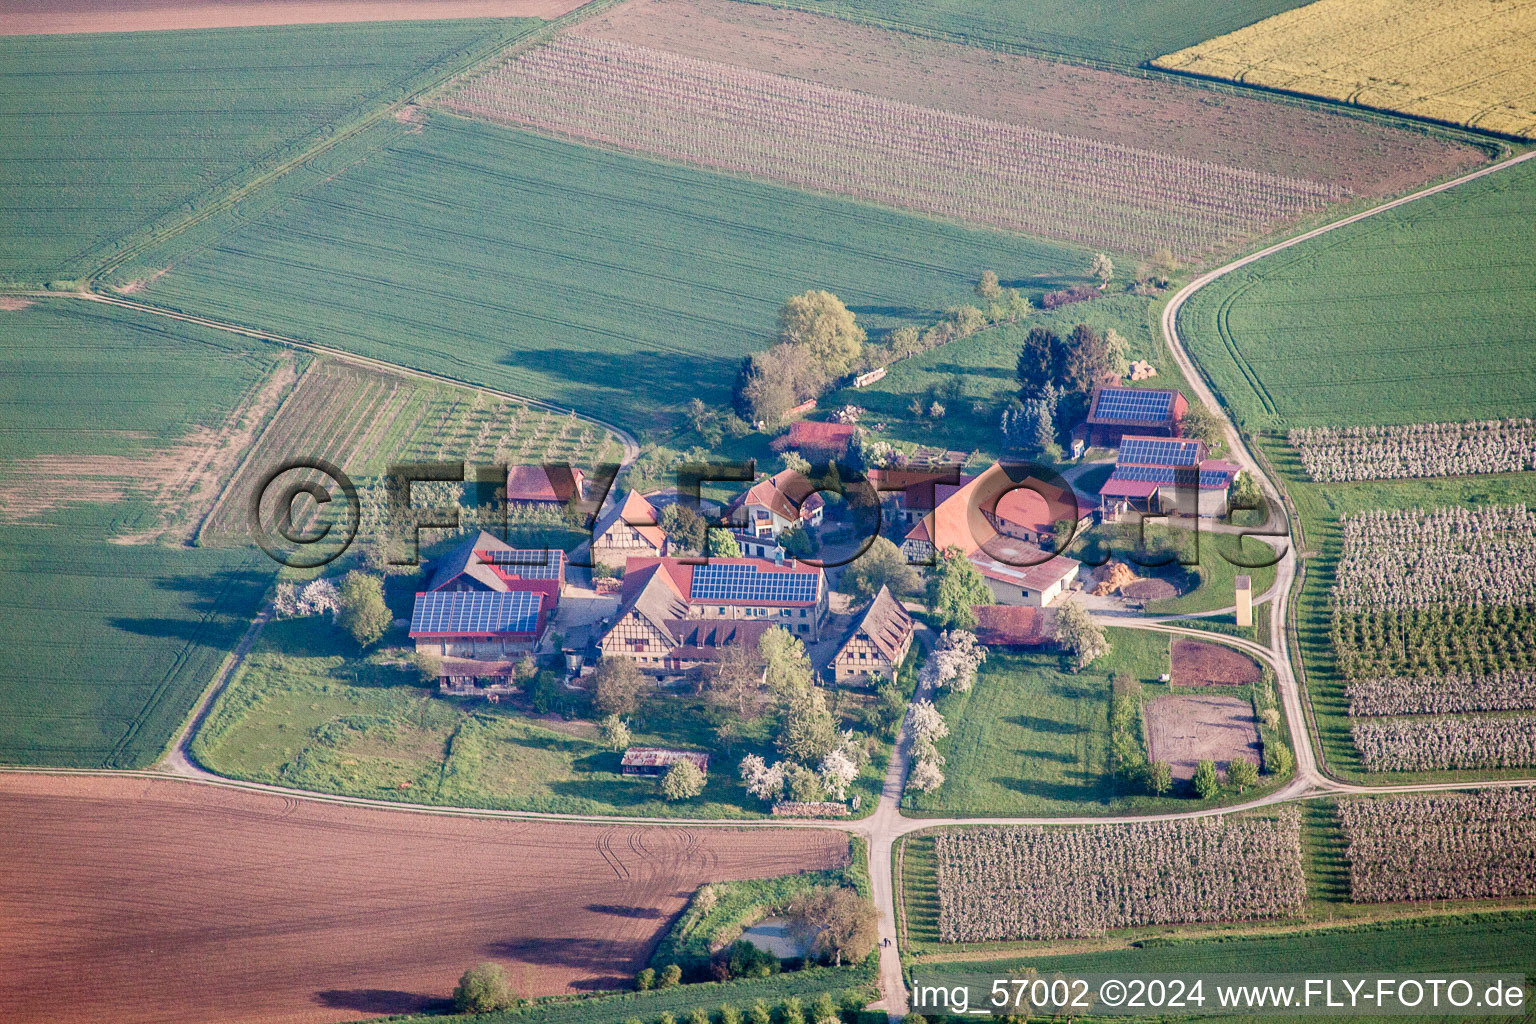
<point>766,547</point>
<point>630,527</point>
<point>485,562</point>
<point>991,504</point>
<point>776,503</point>
<point>914,493</point>
<point>1011,625</point>
<point>653,762</point>
<point>482,625</point>
<point>674,615</point>
<point>1021,574</point>
<point>544,485</point>
<point>818,442</point>
<point>1115,411</point>
<point>876,645</point>
<point>1166,475</point>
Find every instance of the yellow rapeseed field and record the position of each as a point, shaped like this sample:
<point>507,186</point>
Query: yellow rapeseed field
<point>1470,62</point>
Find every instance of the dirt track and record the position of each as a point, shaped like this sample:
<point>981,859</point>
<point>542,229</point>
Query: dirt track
<point>144,900</point>
<point>55,17</point>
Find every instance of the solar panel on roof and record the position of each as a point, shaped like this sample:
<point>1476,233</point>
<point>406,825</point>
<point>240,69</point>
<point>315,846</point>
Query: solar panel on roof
<point>475,611</point>
<point>1171,474</point>
<point>1134,404</point>
<point>1159,451</point>
<point>529,563</point>
<point>749,583</point>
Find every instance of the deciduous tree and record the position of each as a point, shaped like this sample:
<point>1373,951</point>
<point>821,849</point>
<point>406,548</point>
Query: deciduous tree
<point>683,781</point>
<point>1082,638</point>
<point>881,565</point>
<point>615,732</point>
<point>483,989</point>
<point>1101,269</point>
<point>1159,778</point>
<point>818,322</point>
<point>955,588</point>
<point>806,730</point>
<point>1206,782</point>
<point>737,682</point>
<point>363,611</point>
<point>616,686</point>
<point>684,527</point>
<point>1242,773</point>
<point>837,922</point>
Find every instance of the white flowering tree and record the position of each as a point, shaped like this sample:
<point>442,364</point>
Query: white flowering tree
<point>838,772</point>
<point>925,777</point>
<point>1079,635</point>
<point>285,601</point>
<point>954,661</point>
<point>319,597</point>
<point>926,722</point>
<point>762,780</point>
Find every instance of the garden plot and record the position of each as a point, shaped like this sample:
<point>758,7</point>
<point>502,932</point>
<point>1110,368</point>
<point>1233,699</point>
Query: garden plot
<point>1197,663</point>
<point>1441,846</point>
<point>1184,731</point>
<point>1051,883</point>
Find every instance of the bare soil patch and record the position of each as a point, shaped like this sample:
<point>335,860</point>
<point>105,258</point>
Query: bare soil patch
<point>1186,730</point>
<point>182,479</point>
<point>13,303</point>
<point>53,17</point>
<point>196,904</point>
<point>1157,115</point>
<point>1197,663</point>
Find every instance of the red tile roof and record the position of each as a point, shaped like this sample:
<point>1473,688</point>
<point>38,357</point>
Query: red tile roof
<point>787,493</point>
<point>541,483</point>
<point>828,438</point>
<point>1010,625</point>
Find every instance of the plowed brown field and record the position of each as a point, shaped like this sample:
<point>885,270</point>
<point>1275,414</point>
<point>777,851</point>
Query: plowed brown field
<point>53,17</point>
<point>131,900</point>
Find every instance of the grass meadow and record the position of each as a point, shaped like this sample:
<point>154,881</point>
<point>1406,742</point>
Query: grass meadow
<point>306,711</point>
<point>492,255</point>
<point>109,644</point>
<point>107,133</point>
<point>1321,507</point>
<point>1032,739</point>
<point>1417,315</point>
<point>1107,31</point>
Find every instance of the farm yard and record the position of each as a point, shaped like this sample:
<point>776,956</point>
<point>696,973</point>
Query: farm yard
<point>1441,846</point>
<point>1184,731</point>
<point>194,903</point>
<point>1032,882</point>
<point>708,114</point>
<point>1354,328</point>
<point>109,133</point>
<point>1230,129</point>
<point>1110,31</point>
<point>117,429</point>
<point>1464,62</point>
<point>662,277</point>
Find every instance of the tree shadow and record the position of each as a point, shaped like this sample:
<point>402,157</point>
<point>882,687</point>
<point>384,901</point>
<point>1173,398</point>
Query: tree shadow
<point>1050,725</point>
<point>649,913</point>
<point>577,955</point>
<point>383,1000</point>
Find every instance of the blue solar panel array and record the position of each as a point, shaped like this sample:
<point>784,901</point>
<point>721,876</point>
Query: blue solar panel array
<point>1134,404</point>
<point>1159,452</point>
<point>1212,478</point>
<point>529,563</point>
<point>475,611</point>
<point>748,583</point>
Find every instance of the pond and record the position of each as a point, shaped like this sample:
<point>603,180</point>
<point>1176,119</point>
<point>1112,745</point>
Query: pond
<point>775,935</point>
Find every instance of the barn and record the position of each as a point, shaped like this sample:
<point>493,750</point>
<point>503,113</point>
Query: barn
<point>1166,475</point>
<point>653,762</point>
<point>483,625</point>
<point>1116,411</point>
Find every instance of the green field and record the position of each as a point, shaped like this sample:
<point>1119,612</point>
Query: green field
<point>108,644</point>
<point>305,711</point>
<point>106,133</point>
<point>1110,31</point>
<point>1031,739</point>
<point>1420,314</point>
<point>1321,506</point>
<point>493,255</point>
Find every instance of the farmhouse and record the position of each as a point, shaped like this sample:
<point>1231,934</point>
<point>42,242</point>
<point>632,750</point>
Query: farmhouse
<point>629,528</point>
<point>1166,475</point>
<point>993,503</point>
<point>818,442</point>
<point>1115,411</point>
<point>674,615</point>
<point>876,645</point>
<point>767,547</point>
<point>653,762</point>
<point>544,485</point>
<point>776,503</point>
<point>486,600</point>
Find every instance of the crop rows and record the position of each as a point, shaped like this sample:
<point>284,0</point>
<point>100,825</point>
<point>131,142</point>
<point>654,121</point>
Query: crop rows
<point>1437,744</point>
<point>1444,694</point>
<point>838,141</point>
<point>1405,559</point>
<point>1442,846</point>
<point>1053,883</point>
<point>1333,454</point>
